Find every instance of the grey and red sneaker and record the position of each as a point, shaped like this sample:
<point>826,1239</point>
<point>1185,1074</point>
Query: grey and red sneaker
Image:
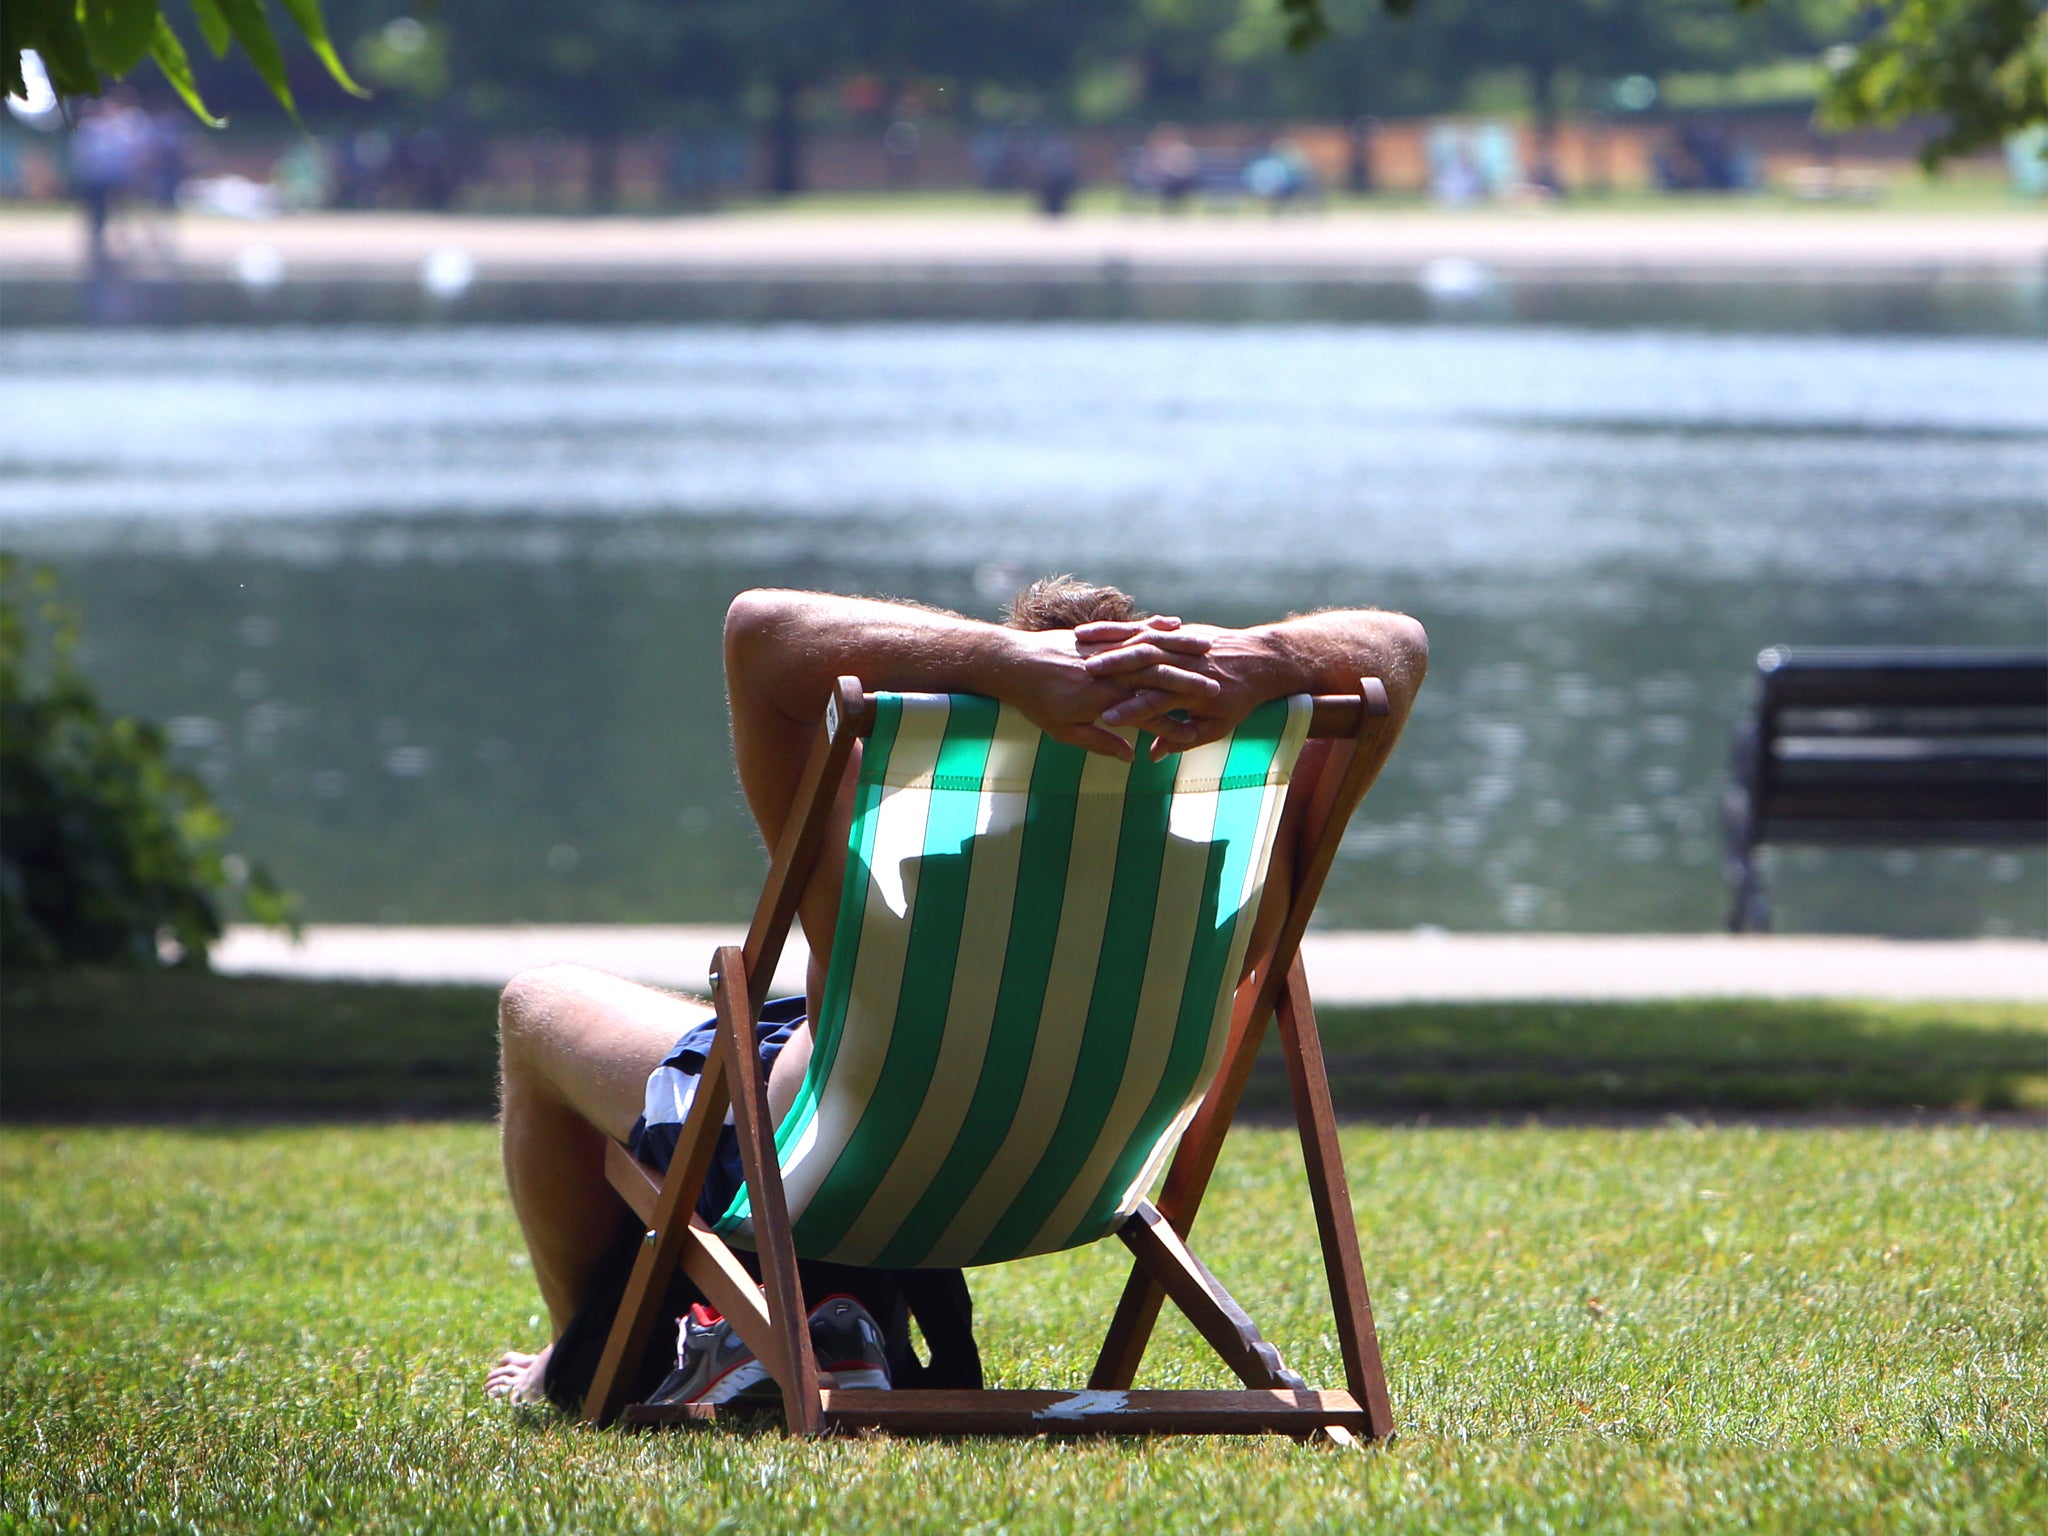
<point>713,1363</point>
<point>848,1343</point>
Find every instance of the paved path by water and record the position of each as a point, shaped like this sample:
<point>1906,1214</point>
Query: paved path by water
<point>798,242</point>
<point>1342,967</point>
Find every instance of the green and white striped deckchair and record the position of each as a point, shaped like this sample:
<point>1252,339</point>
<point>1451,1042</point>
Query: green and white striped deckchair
<point>1039,982</point>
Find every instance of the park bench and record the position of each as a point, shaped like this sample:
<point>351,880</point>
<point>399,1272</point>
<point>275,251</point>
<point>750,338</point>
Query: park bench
<point>1222,178</point>
<point>1876,746</point>
<point>1215,176</point>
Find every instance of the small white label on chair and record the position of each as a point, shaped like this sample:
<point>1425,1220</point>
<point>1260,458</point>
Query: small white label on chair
<point>1083,1405</point>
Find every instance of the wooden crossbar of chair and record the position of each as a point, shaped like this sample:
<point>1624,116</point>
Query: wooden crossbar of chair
<point>772,1319</point>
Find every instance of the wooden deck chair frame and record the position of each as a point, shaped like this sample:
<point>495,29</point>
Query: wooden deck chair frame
<point>772,1318</point>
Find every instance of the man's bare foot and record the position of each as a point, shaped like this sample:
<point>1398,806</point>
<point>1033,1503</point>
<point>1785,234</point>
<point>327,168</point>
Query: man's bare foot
<point>517,1377</point>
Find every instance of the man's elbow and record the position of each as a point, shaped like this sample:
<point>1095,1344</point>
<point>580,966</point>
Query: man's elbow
<point>754,624</point>
<point>1405,644</point>
<point>1410,643</point>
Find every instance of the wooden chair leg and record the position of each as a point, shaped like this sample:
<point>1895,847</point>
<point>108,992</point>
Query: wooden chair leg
<point>1300,1044</point>
<point>731,994</point>
<point>710,1264</point>
<point>1180,1199</point>
<point>667,1223</point>
<point>732,1076</point>
<point>1213,1310</point>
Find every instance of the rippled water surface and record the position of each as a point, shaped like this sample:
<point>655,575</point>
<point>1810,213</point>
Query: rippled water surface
<point>437,610</point>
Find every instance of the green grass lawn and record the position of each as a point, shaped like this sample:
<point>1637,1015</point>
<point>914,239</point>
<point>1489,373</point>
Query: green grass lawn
<point>126,1043</point>
<point>222,1329</point>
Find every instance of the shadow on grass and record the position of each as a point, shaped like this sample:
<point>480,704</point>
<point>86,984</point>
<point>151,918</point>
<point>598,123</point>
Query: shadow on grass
<point>107,1044</point>
<point>170,1045</point>
<point>1745,1055</point>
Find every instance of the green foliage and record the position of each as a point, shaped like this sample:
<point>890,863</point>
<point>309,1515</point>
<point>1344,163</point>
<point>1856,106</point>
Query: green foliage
<point>406,55</point>
<point>1979,65</point>
<point>85,44</point>
<point>108,853</point>
<point>1307,25</point>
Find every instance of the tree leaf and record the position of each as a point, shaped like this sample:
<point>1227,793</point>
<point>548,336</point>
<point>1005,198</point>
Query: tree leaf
<point>11,81</point>
<point>53,31</point>
<point>307,14</point>
<point>252,30</point>
<point>169,54</point>
<point>213,27</point>
<point>106,845</point>
<point>118,32</point>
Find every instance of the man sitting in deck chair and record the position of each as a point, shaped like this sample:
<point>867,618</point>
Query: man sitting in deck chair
<point>589,1058</point>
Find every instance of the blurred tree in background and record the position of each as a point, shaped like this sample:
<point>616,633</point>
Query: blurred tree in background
<point>1981,66</point>
<point>108,854</point>
<point>605,68</point>
<point>630,66</point>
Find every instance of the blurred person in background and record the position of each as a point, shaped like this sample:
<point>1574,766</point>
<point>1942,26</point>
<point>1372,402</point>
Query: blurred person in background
<point>427,163</point>
<point>1058,173</point>
<point>1169,167</point>
<point>304,175</point>
<point>110,148</point>
<point>165,162</point>
<point>360,169</point>
<point>1281,177</point>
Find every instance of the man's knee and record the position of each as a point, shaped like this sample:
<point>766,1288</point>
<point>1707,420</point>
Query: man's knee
<point>530,1007</point>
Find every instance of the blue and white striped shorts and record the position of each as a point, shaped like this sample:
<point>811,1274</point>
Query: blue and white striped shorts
<point>672,1087</point>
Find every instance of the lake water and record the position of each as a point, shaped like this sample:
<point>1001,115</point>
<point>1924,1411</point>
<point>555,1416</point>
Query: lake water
<point>436,609</point>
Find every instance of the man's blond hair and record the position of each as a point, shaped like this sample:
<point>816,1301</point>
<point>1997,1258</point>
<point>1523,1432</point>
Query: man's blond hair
<point>1067,602</point>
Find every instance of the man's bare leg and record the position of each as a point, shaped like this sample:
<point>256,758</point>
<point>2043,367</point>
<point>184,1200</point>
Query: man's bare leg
<point>576,1047</point>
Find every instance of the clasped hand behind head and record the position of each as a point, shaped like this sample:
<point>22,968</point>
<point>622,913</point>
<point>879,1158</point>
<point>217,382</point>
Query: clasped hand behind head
<point>1186,683</point>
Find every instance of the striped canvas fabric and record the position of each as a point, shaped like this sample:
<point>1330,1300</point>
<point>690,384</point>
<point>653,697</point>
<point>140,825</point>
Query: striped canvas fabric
<point>1030,987</point>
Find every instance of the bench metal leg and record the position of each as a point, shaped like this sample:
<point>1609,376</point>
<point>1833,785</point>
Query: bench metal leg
<point>1750,911</point>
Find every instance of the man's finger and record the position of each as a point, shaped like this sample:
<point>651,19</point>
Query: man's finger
<point>1170,735</point>
<point>1095,739</point>
<point>1127,660</point>
<point>1142,709</point>
<point>1156,695</point>
<point>1107,632</point>
<point>1188,686</point>
<point>1099,638</point>
<point>1193,733</point>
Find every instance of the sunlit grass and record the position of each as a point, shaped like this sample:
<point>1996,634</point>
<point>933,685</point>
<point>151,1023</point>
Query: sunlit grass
<point>1621,1330</point>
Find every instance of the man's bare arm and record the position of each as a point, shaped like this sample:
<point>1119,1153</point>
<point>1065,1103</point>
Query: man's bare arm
<point>784,651</point>
<point>1316,653</point>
